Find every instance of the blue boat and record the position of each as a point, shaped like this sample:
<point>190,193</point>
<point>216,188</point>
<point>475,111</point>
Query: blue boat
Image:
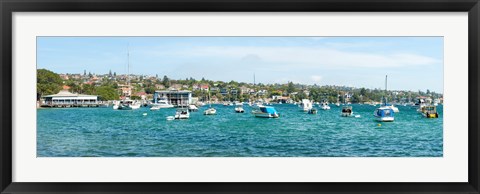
<point>384,114</point>
<point>265,112</point>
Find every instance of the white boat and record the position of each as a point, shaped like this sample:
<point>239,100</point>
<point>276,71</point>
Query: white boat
<point>337,104</point>
<point>169,118</point>
<point>162,103</point>
<point>154,108</point>
<point>306,105</point>
<point>239,108</point>
<point>395,109</point>
<point>324,106</point>
<point>192,108</point>
<point>128,104</point>
<point>265,112</point>
<point>210,111</point>
<point>347,111</point>
<point>115,105</point>
<point>384,114</point>
<point>182,113</point>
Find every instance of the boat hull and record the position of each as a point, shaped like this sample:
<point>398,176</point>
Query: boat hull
<point>265,115</point>
<point>384,119</point>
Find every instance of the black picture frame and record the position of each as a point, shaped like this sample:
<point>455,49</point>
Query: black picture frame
<point>7,7</point>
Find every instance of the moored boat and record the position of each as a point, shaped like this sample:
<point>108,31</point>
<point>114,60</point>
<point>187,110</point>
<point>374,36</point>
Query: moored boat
<point>305,105</point>
<point>384,114</point>
<point>430,112</point>
<point>347,111</point>
<point>192,108</point>
<point>239,108</point>
<point>182,113</point>
<point>265,112</point>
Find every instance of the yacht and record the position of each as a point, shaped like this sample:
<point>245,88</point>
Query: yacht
<point>162,103</point>
<point>306,105</point>
<point>182,113</point>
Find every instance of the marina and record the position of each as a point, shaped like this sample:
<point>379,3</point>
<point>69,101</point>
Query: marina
<point>295,133</point>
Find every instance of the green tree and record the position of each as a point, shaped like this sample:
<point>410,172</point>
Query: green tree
<point>107,93</point>
<point>290,87</point>
<point>48,83</point>
<point>166,81</point>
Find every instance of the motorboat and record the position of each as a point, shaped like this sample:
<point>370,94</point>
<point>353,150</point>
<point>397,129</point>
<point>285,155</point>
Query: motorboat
<point>239,108</point>
<point>265,112</point>
<point>210,111</point>
<point>306,105</point>
<point>384,114</point>
<point>324,106</point>
<point>128,104</point>
<point>430,112</point>
<point>162,103</point>
<point>154,108</point>
<point>182,113</point>
<point>347,111</point>
<point>192,108</point>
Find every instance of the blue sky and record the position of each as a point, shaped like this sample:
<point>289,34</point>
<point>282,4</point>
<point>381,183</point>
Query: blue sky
<point>412,63</point>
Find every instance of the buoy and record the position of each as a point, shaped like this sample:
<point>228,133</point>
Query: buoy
<point>379,124</point>
<point>144,114</point>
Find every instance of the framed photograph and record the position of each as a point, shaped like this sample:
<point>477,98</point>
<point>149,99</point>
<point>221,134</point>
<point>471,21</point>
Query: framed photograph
<point>239,97</point>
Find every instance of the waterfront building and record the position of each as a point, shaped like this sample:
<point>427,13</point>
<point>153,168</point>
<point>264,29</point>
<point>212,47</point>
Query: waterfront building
<point>67,99</point>
<point>175,97</point>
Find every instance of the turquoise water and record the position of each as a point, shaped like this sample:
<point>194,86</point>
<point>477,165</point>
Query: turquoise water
<point>104,132</point>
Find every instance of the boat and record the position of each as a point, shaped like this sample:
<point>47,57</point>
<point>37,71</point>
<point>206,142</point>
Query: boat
<point>384,113</point>
<point>154,108</point>
<point>192,108</point>
<point>210,110</point>
<point>162,103</point>
<point>129,104</point>
<point>337,104</point>
<point>312,111</point>
<point>395,109</point>
<point>306,105</point>
<point>115,104</point>
<point>239,108</point>
<point>169,118</point>
<point>182,113</point>
<point>265,112</point>
<point>347,111</point>
<point>324,106</point>
<point>430,112</point>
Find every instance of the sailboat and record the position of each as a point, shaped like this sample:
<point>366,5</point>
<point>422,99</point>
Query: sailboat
<point>210,110</point>
<point>384,113</point>
<point>127,103</point>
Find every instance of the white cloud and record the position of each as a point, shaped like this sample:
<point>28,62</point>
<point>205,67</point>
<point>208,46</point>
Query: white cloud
<point>316,78</point>
<point>311,57</point>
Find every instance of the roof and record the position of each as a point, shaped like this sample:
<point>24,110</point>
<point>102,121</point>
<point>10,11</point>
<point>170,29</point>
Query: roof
<point>64,93</point>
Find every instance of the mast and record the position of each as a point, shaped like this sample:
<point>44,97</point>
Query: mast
<point>128,66</point>
<point>385,98</point>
